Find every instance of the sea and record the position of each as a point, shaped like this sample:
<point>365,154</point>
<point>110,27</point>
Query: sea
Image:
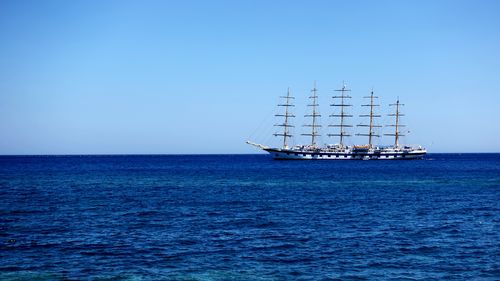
<point>248,217</point>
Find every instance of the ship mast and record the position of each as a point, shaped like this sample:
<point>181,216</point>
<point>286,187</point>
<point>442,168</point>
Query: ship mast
<point>396,126</point>
<point>343,114</point>
<point>314,114</point>
<point>372,115</point>
<point>286,122</point>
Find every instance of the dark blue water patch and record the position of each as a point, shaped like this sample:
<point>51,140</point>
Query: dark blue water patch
<point>247,217</point>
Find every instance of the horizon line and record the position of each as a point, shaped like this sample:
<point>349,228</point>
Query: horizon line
<point>182,154</point>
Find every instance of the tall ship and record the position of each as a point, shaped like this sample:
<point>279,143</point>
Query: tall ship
<point>340,129</point>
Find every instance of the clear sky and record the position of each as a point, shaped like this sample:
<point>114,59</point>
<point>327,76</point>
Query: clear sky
<point>99,77</point>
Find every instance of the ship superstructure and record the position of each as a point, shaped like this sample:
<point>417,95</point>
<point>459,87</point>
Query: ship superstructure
<point>340,128</point>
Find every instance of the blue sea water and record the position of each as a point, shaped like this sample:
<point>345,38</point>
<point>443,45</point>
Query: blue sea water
<point>247,217</point>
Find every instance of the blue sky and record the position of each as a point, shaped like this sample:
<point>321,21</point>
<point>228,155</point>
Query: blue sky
<point>99,77</point>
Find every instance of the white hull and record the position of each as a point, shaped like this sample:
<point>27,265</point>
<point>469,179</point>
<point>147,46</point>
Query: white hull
<point>283,154</point>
